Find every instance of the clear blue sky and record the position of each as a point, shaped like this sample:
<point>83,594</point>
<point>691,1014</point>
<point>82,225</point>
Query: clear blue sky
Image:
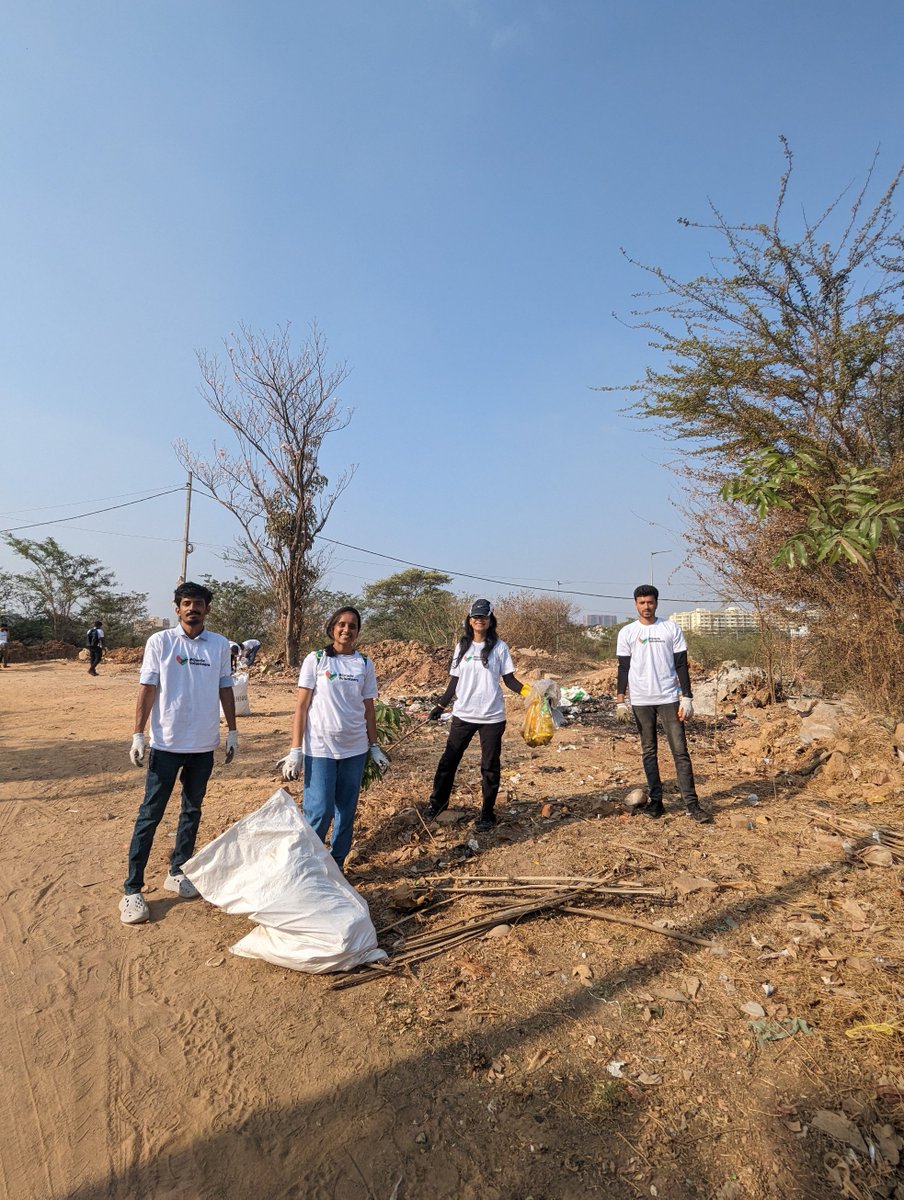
<point>444,185</point>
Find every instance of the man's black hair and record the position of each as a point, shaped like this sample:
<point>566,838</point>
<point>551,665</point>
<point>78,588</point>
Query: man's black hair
<point>191,591</point>
<point>647,589</point>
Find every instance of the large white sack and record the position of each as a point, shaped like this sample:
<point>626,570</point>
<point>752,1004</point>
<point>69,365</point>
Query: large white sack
<point>273,868</point>
<point>240,692</point>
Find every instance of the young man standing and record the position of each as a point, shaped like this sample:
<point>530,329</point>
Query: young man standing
<point>4,645</point>
<point>95,646</point>
<point>652,663</point>
<point>185,677</point>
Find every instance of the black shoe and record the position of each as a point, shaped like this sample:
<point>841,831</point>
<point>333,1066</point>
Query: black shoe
<point>485,822</point>
<point>696,813</point>
<point>432,811</point>
<point>654,809</point>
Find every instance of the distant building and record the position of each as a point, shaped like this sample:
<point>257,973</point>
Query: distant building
<point>593,620</point>
<point>712,623</point>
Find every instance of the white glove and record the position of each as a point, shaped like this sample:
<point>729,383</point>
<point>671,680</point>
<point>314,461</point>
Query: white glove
<point>292,764</point>
<point>381,762</point>
<point>622,712</point>
<point>685,708</point>
<point>232,744</point>
<point>136,753</point>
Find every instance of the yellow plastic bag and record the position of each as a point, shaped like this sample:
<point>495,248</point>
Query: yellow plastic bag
<point>539,725</point>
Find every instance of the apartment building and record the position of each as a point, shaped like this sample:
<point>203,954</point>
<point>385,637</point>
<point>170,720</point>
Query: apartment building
<point>709,622</point>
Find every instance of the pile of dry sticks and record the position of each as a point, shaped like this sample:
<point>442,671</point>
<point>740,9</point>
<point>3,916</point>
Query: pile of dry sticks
<point>531,894</point>
<point>864,834</point>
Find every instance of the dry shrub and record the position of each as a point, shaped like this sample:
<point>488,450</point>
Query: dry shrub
<point>544,622</point>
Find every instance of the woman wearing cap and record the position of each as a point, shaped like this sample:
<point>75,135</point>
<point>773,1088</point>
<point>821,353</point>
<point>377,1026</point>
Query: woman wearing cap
<point>481,660</point>
<point>334,730</point>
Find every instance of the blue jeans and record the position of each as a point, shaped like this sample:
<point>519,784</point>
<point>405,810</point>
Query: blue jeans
<point>645,718</point>
<point>331,787</point>
<point>163,767</point>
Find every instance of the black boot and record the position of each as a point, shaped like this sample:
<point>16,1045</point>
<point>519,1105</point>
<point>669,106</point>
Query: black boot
<point>654,809</point>
<point>696,813</point>
<point>486,821</point>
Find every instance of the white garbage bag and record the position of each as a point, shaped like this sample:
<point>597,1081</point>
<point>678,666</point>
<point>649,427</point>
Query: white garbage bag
<point>273,868</point>
<point>240,691</point>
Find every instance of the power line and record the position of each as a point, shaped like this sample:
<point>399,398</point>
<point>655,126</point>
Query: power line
<point>94,513</point>
<point>500,582</point>
<point>508,583</point>
<point>14,512</point>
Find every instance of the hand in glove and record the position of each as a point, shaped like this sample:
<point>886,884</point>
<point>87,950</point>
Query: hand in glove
<point>685,708</point>
<point>136,753</point>
<point>435,713</point>
<point>525,690</point>
<point>381,762</point>
<point>293,764</point>
<point>232,744</point>
<point>622,712</point>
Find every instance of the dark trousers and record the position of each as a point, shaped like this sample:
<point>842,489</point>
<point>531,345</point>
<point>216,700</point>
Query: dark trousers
<point>645,718</point>
<point>163,768</point>
<point>95,654</point>
<point>460,736</point>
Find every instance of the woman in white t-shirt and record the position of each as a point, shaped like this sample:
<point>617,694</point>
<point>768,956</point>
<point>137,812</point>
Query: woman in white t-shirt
<point>481,660</point>
<point>334,730</point>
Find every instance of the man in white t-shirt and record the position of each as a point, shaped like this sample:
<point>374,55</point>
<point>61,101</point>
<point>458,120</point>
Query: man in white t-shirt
<point>185,677</point>
<point>250,649</point>
<point>652,668</point>
<point>4,645</point>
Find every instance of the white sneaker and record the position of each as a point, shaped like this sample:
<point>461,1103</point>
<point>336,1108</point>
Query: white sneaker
<point>181,886</point>
<point>133,909</point>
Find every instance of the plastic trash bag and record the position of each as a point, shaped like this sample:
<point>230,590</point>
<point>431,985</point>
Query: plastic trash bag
<point>240,691</point>
<point>539,725</point>
<point>273,868</point>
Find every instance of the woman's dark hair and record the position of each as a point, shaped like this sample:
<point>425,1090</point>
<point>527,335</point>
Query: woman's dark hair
<point>329,650</point>
<point>489,641</point>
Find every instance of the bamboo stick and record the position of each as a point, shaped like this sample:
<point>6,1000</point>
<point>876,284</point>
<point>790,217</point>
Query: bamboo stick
<point>672,933</point>
<point>537,887</point>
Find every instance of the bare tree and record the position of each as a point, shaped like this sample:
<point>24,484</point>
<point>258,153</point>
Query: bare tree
<point>280,405</point>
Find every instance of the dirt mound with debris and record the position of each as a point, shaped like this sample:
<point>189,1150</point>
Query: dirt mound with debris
<point>124,654</point>
<point>41,651</point>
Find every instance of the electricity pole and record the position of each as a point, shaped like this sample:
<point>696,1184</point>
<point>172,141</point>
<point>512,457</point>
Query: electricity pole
<point>187,547</point>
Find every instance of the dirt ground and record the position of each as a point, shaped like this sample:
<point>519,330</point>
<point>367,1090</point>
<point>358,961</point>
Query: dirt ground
<point>571,1058</point>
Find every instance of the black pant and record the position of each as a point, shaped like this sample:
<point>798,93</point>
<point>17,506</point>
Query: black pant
<point>95,653</point>
<point>460,736</point>
<point>163,768</point>
<point>645,718</point>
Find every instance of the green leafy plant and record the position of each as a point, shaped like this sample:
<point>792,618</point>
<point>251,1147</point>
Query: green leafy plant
<point>391,725</point>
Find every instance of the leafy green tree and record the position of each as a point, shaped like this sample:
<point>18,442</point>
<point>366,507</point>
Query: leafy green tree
<point>121,613</point>
<point>59,584</point>
<point>784,383</point>
<point>413,604</point>
<point>279,405</point>
<point>241,610</point>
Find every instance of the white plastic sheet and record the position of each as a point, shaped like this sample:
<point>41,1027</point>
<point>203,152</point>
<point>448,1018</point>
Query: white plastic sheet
<point>273,868</point>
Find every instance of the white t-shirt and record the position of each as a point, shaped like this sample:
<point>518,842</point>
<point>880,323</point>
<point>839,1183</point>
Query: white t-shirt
<point>188,674</point>
<point>478,697</point>
<point>251,644</point>
<point>4,636</point>
<point>336,726</point>
<point>651,677</point>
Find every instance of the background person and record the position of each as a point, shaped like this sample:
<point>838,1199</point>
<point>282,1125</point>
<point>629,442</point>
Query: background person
<point>652,668</point>
<point>184,679</point>
<point>4,645</point>
<point>333,731</point>
<point>481,660</point>
<point>95,646</point>
<point>250,649</point>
